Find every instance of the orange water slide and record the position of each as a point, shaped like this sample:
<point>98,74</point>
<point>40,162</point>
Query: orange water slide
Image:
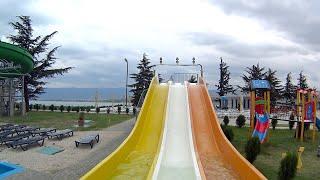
<point>216,155</point>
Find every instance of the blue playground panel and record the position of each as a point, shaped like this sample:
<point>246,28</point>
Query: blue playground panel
<point>318,124</point>
<point>260,84</point>
<point>8,169</point>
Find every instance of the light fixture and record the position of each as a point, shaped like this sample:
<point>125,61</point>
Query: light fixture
<point>177,60</point>
<point>160,60</point>
<point>193,60</point>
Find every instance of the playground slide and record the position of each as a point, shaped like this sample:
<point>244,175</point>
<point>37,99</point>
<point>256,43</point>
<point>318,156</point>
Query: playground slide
<point>177,157</point>
<point>19,57</point>
<point>136,157</point>
<point>216,155</point>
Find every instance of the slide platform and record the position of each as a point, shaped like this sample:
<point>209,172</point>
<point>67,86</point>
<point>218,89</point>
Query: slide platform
<point>20,58</point>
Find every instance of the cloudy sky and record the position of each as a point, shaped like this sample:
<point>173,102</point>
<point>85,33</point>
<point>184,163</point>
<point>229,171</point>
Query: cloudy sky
<point>95,36</point>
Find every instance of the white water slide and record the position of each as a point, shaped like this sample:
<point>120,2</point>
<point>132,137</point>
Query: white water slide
<point>177,156</point>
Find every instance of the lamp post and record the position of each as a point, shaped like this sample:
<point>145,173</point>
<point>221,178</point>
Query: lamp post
<point>125,59</point>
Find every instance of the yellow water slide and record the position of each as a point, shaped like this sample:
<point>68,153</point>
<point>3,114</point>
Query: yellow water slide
<point>136,157</point>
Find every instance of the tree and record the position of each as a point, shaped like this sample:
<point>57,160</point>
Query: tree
<point>43,57</point>
<point>224,87</point>
<point>289,89</point>
<point>253,73</point>
<point>142,79</point>
<point>276,87</point>
<point>302,81</point>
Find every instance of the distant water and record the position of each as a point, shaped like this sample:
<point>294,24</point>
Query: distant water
<point>74,103</point>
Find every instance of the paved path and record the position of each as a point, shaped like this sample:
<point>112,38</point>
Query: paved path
<point>121,131</point>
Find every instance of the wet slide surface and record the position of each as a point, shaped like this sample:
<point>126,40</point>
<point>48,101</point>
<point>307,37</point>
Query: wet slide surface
<point>177,157</point>
<point>208,150</point>
<point>216,155</point>
<point>135,157</point>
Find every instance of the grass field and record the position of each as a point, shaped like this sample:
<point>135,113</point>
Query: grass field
<point>281,141</point>
<point>66,120</point>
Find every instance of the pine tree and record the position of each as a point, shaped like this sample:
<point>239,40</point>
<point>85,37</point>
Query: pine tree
<point>224,87</point>
<point>289,90</point>
<point>142,79</point>
<point>276,87</point>
<point>302,81</point>
<point>253,73</point>
<point>44,58</point>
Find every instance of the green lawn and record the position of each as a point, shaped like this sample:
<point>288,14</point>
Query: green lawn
<point>66,120</point>
<point>281,141</point>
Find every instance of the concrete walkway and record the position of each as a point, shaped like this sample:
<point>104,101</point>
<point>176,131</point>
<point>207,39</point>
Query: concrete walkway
<point>79,168</point>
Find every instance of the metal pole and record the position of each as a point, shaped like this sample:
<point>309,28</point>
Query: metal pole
<point>127,82</point>
<point>23,103</point>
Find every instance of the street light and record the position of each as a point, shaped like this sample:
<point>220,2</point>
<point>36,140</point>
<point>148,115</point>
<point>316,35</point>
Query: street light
<point>125,59</point>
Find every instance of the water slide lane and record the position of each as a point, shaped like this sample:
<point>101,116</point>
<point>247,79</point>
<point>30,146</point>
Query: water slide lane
<point>17,56</point>
<point>136,157</point>
<point>216,155</point>
<point>177,157</point>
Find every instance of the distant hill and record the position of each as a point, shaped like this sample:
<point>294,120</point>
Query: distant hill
<point>82,94</point>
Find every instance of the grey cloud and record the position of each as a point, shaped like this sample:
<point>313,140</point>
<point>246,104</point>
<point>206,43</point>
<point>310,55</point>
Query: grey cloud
<point>298,19</point>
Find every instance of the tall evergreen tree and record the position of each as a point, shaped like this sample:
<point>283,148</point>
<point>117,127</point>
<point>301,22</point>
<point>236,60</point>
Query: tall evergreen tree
<point>253,73</point>
<point>44,57</point>
<point>302,81</point>
<point>224,87</point>
<point>289,89</point>
<point>142,79</point>
<point>276,87</point>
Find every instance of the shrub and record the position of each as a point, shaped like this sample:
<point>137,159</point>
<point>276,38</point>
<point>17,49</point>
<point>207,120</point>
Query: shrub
<point>68,108</point>
<point>44,107</point>
<point>226,120</point>
<point>30,107</point>
<point>88,109</point>
<point>241,120</point>
<point>82,108</point>
<point>291,122</point>
<point>127,110</point>
<point>17,106</point>
<point>274,123</point>
<point>108,111</point>
<point>77,109</point>
<point>37,107</point>
<point>61,108</point>
<point>288,166</point>
<point>97,110</point>
<point>227,132</point>
<point>134,110</point>
<point>119,109</point>
<point>252,149</point>
<point>51,107</point>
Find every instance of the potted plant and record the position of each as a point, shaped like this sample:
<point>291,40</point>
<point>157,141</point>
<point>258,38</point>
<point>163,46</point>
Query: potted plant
<point>81,119</point>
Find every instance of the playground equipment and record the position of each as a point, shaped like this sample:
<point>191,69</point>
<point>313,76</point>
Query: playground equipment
<point>260,108</point>
<point>306,111</point>
<point>169,142</point>
<point>15,64</point>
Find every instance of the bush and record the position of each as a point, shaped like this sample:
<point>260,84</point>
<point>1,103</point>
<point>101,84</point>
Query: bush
<point>227,132</point>
<point>17,106</point>
<point>61,108</point>
<point>88,109</point>
<point>119,109</point>
<point>108,111</point>
<point>252,149</point>
<point>97,110</point>
<point>291,122</point>
<point>68,108</point>
<point>226,120</point>
<point>77,109</point>
<point>241,120</point>
<point>37,107</point>
<point>288,166</point>
<point>127,110</point>
<point>44,107</point>
<point>274,123</point>
<point>51,107</point>
<point>30,107</point>
<point>134,110</point>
